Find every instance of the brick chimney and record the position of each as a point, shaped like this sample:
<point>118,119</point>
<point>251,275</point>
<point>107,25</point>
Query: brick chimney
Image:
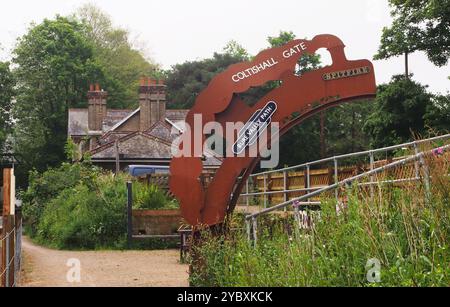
<point>97,107</point>
<point>152,102</point>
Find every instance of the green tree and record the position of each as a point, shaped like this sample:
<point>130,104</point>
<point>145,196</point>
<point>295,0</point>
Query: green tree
<point>55,63</point>
<point>114,51</point>
<point>185,81</point>
<point>437,117</point>
<point>419,25</point>
<point>399,113</point>
<point>344,127</point>
<point>236,50</point>
<point>6,96</point>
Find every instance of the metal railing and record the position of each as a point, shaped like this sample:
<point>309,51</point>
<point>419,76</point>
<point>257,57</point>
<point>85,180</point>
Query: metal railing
<point>10,250</point>
<point>335,159</point>
<point>417,158</point>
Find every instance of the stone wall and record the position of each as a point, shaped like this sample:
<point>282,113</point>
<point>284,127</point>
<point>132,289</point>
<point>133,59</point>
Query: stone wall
<point>156,222</point>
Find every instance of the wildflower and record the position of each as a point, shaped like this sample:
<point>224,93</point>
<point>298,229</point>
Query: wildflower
<point>438,151</point>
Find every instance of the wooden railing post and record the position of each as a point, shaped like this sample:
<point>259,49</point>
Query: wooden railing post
<point>247,198</point>
<point>265,191</point>
<point>7,191</point>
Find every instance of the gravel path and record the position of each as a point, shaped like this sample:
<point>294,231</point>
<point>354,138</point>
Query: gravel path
<point>46,267</point>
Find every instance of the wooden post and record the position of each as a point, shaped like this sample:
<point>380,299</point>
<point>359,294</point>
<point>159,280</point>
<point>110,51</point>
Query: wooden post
<point>5,244</point>
<point>247,198</point>
<point>129,213</point>
<point>6,191</point>
<point>265,190</point>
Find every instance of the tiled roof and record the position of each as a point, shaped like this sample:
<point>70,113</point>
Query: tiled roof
<point>78,120</point>
<point>152,144</point>
<point>141,145</point>
<point>113,117</point>
<point>176,115</point>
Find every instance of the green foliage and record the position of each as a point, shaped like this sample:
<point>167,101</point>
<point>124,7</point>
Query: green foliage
<point>151,197</point>
<point>407,232</point>
<point>344,127</point>
<point>283,38</point>
<point>420,25</point>
<point>185,81</point>
<point>6,94</point>
<point>56,60</point>
<point>236,50</point>
<point>89,215</point>
<point>437,117</point>
<point>71,150</point>
<point>55,63</point>
<point>343,134</point>
<point>119,59</point>
<point>399,114</point>
<point>47,186</point>
<point>79,206</point>
<point>397,40</point>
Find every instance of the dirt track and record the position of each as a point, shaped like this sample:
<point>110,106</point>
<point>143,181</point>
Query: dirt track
<point>46,267</point>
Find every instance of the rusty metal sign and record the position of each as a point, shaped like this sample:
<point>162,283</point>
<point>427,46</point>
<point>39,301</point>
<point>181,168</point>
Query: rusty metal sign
<point>294,100</point>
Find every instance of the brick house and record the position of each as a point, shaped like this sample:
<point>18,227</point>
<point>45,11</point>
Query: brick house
<point>143,136</point>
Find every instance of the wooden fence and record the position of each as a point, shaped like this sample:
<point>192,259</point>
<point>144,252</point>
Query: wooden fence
<point>10,233</point>
<point>10,250</point>
<point>277,183</point>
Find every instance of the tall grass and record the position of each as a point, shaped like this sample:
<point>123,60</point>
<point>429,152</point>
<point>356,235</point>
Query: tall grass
<point>406,228</point>
<point>151,197</point>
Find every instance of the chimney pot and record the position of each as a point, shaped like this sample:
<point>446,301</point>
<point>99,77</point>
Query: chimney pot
<point>97,87</point>
<point>91,87</point>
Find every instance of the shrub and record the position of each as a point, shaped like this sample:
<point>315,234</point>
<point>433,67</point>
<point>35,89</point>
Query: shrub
<point>79,206</point>
<point>86,216</point>
<point>151,197</point>
<point>47,186</point>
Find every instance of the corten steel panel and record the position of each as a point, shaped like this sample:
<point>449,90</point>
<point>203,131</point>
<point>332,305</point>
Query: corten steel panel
<point>307,94</point>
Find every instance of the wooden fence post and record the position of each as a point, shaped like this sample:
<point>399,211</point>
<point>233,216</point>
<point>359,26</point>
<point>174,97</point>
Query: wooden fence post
<point>6,191</point>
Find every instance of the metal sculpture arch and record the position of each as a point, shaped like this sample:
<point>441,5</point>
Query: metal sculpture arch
<point>297,98</point>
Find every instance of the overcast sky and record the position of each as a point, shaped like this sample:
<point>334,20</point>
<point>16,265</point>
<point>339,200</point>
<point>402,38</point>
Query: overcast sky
<point>175,31</point>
